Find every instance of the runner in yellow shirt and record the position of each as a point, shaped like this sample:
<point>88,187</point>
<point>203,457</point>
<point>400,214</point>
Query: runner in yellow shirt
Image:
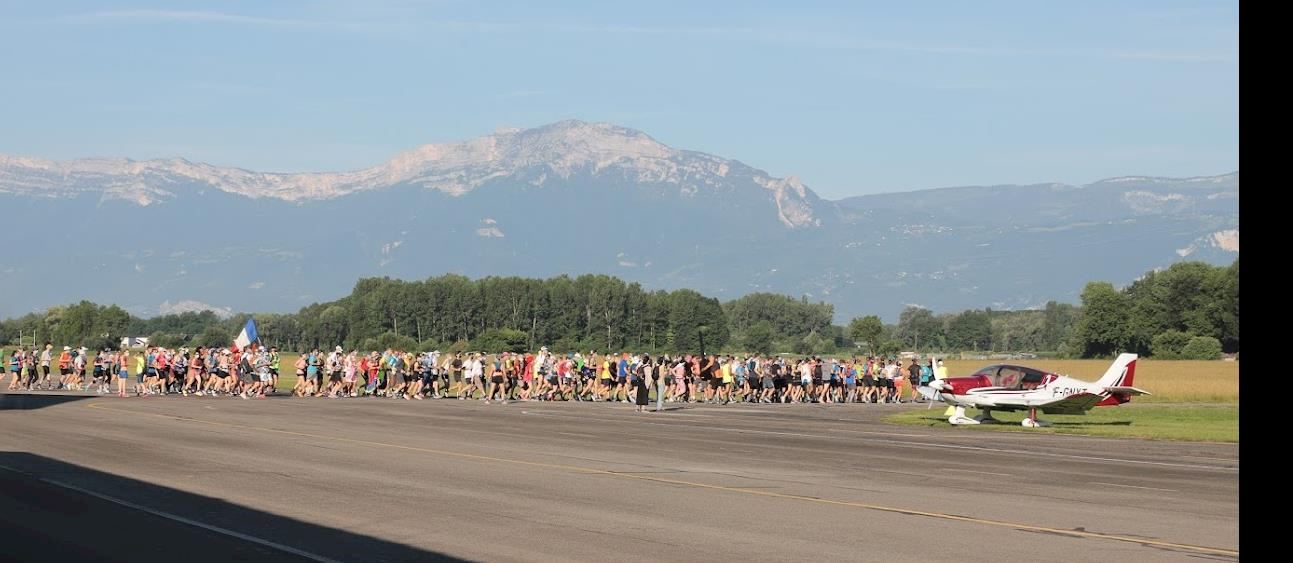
<point>607,381</point>
<point>729,383</point>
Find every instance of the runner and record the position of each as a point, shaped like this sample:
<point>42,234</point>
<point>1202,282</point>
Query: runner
<point>16,360</point>
<point>123,373</point>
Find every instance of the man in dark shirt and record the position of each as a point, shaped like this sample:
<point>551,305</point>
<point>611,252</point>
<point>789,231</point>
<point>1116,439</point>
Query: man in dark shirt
<point>913,377</point>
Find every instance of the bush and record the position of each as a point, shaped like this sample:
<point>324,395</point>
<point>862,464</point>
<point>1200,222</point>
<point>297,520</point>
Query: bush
<point>1168,345</point>
<point>501,340</point>
<point>1202,348</point>
<point>889,348</point>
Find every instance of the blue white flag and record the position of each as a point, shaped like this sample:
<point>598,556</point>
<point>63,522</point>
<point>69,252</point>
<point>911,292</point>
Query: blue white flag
<point>247,336</point>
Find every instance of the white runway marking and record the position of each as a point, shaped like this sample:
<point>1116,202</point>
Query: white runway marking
<point>1135,487</point>
<point>979,472</point>
<point>1212,458</point>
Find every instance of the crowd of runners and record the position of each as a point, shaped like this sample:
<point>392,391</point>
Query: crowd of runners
<point>539,376</point>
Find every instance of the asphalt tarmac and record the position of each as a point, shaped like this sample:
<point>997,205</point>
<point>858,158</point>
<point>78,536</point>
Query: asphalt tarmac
<point>391,480</point>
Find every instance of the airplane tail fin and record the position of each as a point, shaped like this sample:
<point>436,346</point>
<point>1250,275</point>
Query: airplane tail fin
<point>1117,381</point>
<point>1121,374</point>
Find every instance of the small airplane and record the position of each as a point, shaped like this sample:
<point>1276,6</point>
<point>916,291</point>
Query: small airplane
<point>1004,387</point>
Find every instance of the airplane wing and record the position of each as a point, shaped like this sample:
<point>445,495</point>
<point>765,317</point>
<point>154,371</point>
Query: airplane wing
<point>1072,404</point>
<point>1126,391</point>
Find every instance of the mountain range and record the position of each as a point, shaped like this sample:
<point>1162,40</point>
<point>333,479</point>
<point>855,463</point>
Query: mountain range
<point>573,197</point>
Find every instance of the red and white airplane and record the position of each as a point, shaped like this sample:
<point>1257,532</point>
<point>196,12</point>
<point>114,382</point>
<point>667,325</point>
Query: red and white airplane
<point>1015,388</point>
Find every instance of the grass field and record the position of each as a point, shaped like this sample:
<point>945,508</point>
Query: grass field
<point>1170,381</point>
<point>1200,423</point>
<point>286,371</point>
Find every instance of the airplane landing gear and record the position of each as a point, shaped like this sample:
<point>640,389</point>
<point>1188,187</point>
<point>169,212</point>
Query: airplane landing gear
<point>1032,422</point>
<point>958,418</point>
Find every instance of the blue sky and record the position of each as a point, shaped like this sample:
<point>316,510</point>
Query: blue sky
<point>852,97</point>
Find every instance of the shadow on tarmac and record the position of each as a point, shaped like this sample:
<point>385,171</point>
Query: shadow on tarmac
<point>45,520</point>
<point>25,400</point>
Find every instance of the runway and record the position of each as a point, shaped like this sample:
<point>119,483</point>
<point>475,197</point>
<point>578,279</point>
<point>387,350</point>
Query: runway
<point>393,480</point>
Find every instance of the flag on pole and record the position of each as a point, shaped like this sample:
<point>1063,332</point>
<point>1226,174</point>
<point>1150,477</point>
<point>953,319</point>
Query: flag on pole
<point>248,335</point>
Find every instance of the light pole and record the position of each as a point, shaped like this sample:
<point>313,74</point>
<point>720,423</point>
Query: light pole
<point>700,330</point>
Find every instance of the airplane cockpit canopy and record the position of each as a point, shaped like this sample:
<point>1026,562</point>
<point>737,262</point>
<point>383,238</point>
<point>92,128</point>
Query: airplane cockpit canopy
<point>1013,377</point>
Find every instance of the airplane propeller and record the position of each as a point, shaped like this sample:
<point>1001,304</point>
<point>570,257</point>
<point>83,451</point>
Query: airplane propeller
<point>931,390</point>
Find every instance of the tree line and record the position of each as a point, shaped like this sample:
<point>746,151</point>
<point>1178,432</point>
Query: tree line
<point>1190,310</point>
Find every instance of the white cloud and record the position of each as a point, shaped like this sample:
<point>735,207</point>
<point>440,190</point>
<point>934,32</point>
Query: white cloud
<point>256,285</point>
<point>390,247</point>
<point>190,306</point>
<point>1226,240</point>
<point>491,232</point>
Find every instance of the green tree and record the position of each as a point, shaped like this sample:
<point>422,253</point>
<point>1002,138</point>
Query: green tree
<point>1168,345</point>
<point>1057,324</point>
<point>866,329</point>
<point>389,339</point>
<point>918,327</point>
<point>788,316</point>
<point>166,340</point>
<point>759,338</point>
<point>691,313</point>
<point>970,330</point>
<point>889,347</point>
<point>213,336</point>
<point>1224,310</point>
<point>1102,329</point>
<point>500,340</point>
<point>1202,348</point>
<point>807,345</point>
<point>1189,297</point>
